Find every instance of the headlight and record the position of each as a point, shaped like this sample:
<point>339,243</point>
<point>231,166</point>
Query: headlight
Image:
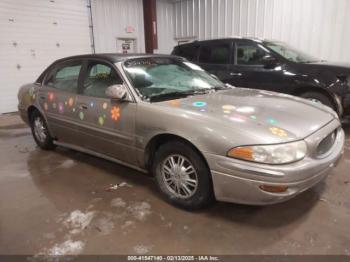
<point>271,154</point>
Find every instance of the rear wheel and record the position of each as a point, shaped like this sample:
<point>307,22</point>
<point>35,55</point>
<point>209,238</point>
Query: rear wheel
<point>40,131</point>
<point>182,176</point>
<point>318,98</point>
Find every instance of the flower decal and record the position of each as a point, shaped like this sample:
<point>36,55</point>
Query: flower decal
<point>81,115</point>
<point>174,102</point>
<point>278,131</point>
<point>51,96</point>
<point>70,101</point>
<point>101,120</point>
<point>199,103</point>
<point>61,107</point>
<point>115,113</point>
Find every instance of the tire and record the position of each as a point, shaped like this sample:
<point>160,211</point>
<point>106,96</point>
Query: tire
<point>201,194</point>
<point>40,131</point>
<point>318,97</point>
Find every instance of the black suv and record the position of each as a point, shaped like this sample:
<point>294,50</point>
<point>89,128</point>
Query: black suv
<point>271,65</point>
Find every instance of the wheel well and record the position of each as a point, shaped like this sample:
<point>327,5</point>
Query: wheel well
<point>161,139</point>
<point>303,90</point>
<point>30,111</point>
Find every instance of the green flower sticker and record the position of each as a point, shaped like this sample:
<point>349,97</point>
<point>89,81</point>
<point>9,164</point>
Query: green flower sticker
<point>81,115</point>
<point>101,120</point>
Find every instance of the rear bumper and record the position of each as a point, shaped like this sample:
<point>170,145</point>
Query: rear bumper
<point>238,181</point>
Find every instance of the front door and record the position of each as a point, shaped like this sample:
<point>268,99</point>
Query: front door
<point>57,98</point>
<point>106,126</point>
<point>249,70</point>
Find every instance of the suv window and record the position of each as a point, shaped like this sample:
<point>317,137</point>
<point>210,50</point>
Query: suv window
<point>215,54</point>
<point>249,54</point>
<point>65,77</point>
<point>98,78</point>
<point>187,51</point>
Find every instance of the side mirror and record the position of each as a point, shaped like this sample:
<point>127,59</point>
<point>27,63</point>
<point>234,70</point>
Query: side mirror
<point>117,92</point>
<point>269,61</point>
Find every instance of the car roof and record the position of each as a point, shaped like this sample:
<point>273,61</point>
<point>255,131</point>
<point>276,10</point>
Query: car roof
<point>256,39</point>
<point>110,57</point>
<point>113,57</point>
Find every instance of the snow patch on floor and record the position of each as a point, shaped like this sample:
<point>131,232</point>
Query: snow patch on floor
<point>118,202</point>
<point>142,249</point>
<point>104,224</point>
<point>67,163</point>
<point>140,210</point>
<point>69,247</point>
<point>78,221</point>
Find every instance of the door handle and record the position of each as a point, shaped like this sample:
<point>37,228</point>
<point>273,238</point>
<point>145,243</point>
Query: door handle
<point>235,74</point>
<point>83,106</point>
<point>42,97</point>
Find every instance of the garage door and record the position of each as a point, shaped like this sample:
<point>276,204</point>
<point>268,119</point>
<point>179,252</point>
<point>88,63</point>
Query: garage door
<point>34,33</point>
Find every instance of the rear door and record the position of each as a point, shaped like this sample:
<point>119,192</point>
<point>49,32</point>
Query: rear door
<point>215,57</point>
<point>106,126</point>
<point>57,98</point>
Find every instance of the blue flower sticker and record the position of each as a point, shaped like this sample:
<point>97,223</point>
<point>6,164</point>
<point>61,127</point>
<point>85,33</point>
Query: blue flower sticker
<point>199,104</point>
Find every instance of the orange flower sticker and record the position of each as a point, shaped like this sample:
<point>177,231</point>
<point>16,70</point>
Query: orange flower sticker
<point>115,113</point>
<point>71,101</point>
<point>174,102</point>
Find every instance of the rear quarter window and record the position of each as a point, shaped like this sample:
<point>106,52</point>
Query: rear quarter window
<point>187,51</point>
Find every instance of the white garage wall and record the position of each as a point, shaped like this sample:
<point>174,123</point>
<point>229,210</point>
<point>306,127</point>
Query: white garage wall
<point>110,20</point>
<point>319,27</point>
<point>34,33</point>
<point>165,26</point>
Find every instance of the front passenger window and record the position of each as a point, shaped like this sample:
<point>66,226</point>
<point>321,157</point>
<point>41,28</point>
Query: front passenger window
<point>248,54</point>
<point>99,78</point>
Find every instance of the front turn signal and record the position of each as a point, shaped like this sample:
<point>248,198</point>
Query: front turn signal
<point>245,153</point>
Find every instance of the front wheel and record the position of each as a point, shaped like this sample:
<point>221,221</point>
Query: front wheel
<point>40,131</point>
<point>182,176</point>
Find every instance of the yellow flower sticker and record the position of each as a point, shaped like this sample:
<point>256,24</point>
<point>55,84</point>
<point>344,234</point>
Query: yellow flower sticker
<point>278,131</point>
<point>228,107</point>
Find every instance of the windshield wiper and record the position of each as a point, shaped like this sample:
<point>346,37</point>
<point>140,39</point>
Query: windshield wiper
<point>177,94</point>
<point>217,88</point>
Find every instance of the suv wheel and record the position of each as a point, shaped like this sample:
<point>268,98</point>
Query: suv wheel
<point>182,176</point>
<point>40,132</point>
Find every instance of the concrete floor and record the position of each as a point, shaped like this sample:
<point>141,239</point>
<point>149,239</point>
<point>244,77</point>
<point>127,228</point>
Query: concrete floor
<point>58,202</point>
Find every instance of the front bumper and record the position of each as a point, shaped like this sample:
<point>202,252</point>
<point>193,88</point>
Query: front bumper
<point>238,181</point>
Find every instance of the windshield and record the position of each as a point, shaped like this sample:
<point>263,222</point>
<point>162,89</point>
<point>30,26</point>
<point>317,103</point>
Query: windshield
<point>164,77</point>
<point>290,53</point>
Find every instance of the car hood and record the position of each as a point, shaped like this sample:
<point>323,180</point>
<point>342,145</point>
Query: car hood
<point>264,116</point>
<point>337,68</point>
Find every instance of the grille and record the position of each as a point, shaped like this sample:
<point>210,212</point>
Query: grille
<point>326,144</point>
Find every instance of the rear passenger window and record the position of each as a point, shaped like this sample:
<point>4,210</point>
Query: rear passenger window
<point>188,51</point>
<point>215,54</point>
<point>99,78</point>
<point>65,77</point>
